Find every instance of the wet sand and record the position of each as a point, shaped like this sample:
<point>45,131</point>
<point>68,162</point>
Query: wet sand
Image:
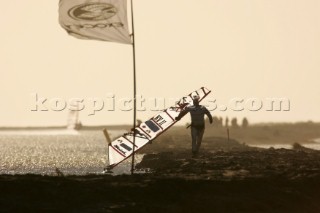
<point>237,179</point>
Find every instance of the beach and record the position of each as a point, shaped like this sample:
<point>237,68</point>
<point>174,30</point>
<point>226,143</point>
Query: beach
<point>65,173</point>
<point>232,181</point>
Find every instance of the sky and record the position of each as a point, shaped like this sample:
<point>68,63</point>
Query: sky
<point>244,50</point>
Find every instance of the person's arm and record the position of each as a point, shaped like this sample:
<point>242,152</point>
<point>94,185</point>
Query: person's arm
<point>181,114</point>
<point>209,115</point>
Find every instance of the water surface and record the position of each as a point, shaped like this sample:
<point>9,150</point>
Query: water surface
<point>41,152</point>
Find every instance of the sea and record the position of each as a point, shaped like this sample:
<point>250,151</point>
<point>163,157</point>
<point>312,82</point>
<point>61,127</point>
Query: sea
<point>47,151</point>
<point>315,144</point>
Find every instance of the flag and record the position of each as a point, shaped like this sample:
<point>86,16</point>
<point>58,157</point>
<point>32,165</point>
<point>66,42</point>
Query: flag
<point>104,20</point>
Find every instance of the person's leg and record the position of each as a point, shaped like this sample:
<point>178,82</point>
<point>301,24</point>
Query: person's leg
<point>194,139</point>
<point>199,138</point>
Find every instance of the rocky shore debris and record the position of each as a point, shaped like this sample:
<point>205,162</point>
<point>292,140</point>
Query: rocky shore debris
<point>235,164</point>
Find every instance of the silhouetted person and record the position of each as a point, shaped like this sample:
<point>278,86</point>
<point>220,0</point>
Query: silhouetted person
<point>227,122</point>
<point>234,123</point>
<point>59,173</point>
<point>197,113</point>
<point>220,121</point>
<point>245,123</point>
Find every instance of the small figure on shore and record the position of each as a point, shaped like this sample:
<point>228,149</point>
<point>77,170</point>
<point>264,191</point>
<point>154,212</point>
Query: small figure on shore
<point>197,113</point>
<point>245,123</point>
<point>59,173</point>
<point>234,123</point>
<point>227,122</point>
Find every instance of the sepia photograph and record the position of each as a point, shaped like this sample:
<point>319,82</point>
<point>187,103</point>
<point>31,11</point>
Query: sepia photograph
<point>160,106</point>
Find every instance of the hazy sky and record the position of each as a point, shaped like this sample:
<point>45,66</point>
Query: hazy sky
<point>237,48</point>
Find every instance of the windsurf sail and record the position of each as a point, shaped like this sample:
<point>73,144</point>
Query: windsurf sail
<point>73,118</point>
<point>122,147</point>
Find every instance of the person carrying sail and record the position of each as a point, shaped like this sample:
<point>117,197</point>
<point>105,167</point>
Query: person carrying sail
<point>197,113</point>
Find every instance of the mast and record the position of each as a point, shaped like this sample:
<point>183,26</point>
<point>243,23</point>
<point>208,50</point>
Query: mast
<point>134,89</point>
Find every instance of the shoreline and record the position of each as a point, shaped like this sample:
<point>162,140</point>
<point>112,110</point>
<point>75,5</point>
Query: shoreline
<point>251,180</point>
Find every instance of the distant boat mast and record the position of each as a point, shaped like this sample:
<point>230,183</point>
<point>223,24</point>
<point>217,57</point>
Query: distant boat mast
<point>73,118</point>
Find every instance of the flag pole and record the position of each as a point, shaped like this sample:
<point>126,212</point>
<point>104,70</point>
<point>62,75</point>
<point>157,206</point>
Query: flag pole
<point>134,89</point>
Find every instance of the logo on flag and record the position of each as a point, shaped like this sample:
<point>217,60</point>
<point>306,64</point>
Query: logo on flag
<point>104,20</point>
<point>93,11</point>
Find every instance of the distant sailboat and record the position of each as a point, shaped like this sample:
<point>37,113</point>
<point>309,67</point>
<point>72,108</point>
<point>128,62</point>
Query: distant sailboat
<point>73,119</point>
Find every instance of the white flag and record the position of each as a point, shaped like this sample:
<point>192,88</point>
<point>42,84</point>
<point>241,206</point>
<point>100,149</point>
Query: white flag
<point>104,20</point>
